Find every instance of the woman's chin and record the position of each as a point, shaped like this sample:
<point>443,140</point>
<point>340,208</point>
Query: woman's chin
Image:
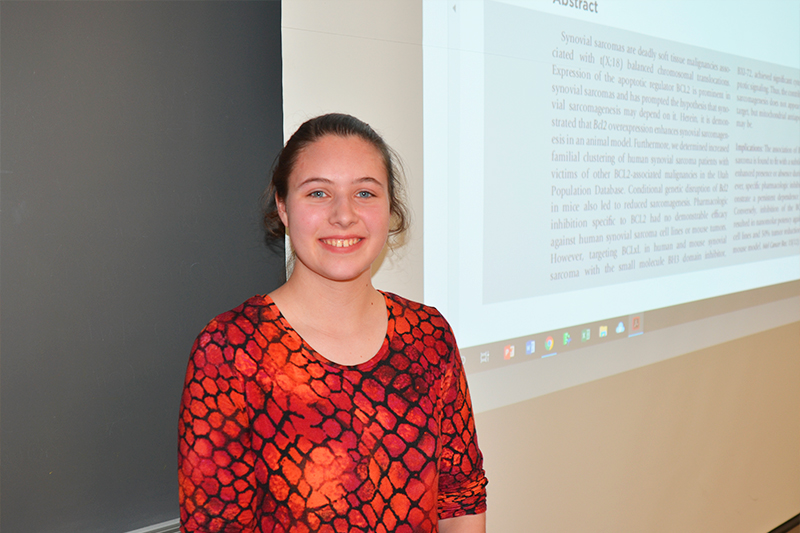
<point>342,272</point>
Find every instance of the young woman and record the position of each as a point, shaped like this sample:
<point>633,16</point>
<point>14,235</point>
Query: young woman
<point>329,406</point>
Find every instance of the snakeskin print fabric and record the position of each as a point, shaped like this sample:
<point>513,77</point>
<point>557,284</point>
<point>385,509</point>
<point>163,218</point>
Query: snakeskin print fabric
<point>273,437</point>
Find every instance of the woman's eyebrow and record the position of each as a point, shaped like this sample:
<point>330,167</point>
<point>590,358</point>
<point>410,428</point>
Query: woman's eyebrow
<point>370,179</point>
<point>312,180</point>
<point>325,181</point>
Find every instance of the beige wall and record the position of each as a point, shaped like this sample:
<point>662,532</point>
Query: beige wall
<point>705,442</point>
<point>709,441</point>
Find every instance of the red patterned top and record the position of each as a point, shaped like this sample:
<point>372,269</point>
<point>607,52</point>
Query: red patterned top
<point>276,438</point>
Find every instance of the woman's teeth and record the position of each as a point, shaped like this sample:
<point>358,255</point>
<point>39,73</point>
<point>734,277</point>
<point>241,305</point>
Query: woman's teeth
<point>340,243</point>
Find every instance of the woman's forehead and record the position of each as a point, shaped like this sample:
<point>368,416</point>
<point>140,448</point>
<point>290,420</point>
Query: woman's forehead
<point>335,157</point>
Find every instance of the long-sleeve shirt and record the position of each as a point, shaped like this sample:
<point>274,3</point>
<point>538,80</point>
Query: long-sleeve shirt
<point>275,437</point>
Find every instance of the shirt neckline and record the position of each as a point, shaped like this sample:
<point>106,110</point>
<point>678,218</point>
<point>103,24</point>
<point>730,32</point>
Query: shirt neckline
<point>372,361</point>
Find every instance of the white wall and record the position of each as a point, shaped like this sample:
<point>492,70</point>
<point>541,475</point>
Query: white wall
<point>363,58</point>
<point>709,441</point>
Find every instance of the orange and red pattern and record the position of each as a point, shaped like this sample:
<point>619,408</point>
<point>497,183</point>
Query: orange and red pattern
<point>276,438</point>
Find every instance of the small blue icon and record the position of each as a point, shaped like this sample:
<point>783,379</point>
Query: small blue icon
<point>620,328</point>
<point>530,347</point>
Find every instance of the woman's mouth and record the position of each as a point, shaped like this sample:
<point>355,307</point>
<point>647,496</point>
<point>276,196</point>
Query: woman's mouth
<point>341,243</point>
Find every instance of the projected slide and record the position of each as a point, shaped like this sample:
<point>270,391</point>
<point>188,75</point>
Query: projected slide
<point>583,168</point>
<point>611,156</point>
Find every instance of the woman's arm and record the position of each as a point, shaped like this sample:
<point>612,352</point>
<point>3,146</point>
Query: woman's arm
<point>462,480</point>
<point>471,523</point>
<point>216,468</point>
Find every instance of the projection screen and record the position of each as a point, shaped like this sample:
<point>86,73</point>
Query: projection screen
<point>584,168</point>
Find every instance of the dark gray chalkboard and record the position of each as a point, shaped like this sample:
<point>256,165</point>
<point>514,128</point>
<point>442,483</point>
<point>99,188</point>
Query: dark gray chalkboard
<point>135,139</point>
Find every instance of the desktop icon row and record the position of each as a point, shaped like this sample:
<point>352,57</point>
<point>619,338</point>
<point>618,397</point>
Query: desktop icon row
<point>634,327</point>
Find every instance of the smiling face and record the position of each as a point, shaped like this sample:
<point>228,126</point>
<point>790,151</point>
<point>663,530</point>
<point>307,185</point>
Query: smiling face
<point>336,209</point>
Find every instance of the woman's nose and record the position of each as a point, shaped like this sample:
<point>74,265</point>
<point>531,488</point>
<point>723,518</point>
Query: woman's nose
<point>343,212</point>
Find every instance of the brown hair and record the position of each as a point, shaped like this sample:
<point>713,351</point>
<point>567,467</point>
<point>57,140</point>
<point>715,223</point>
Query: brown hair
<point>311,131</point>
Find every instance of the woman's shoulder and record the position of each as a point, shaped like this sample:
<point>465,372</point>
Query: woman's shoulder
<point>234,327</point>
<point>250,310</point>
<point>415,313</point>
<point>399,304</point>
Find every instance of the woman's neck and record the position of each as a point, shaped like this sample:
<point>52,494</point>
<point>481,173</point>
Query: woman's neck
<point>345,321</point>
<point>317,293</point>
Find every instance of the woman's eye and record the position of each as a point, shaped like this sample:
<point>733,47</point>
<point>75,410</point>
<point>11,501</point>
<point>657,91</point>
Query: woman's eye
<point>317,194</point>
<point>364,194</point>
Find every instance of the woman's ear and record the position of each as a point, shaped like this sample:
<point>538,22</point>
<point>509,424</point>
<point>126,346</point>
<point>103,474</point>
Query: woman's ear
<point>281,205</point>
